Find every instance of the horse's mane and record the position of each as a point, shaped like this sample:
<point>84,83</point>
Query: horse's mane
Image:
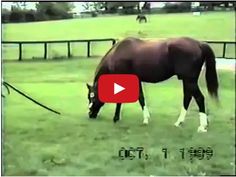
<point>101,64</point>
<point>104,58</point>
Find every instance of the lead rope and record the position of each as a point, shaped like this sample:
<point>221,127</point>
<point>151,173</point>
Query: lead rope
<point>21,93</point>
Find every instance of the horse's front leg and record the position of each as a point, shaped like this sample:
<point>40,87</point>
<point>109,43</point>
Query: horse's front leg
<point>146,114</point>
<point>117,113</point>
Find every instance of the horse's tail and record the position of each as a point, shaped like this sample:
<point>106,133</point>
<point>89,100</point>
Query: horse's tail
<point>211,75</point>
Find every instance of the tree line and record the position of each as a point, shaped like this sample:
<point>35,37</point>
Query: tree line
<point>134,7</point>
<point>44,11</point>
<point>63,10</point>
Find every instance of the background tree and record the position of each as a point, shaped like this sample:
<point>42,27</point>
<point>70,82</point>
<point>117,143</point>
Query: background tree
<point>17,13</point>
<point>146,7</point>
<point>54,10</point>
<point>127,7</point>
<point>86,6</point>
<point>5,15</point>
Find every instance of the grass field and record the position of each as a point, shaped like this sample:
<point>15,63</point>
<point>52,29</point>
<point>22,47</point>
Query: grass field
<point>209,26</point>
<point>38,142</point>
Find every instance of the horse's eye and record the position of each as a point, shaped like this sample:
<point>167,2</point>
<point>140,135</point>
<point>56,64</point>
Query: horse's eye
<point>91,95</point>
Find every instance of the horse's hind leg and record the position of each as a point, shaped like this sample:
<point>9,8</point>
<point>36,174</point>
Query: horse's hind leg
<point>202,114</point>
<point>186,101</point>
<point>191,88</point>
<point>146,114</point>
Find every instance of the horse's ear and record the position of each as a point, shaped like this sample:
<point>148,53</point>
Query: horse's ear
<point>88,86</point>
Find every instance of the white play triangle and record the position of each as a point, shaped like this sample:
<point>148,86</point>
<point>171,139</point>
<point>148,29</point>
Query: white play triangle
<point>118,88</point>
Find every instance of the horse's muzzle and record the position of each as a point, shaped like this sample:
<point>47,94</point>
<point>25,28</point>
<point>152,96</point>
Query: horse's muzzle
<point>92,115</point>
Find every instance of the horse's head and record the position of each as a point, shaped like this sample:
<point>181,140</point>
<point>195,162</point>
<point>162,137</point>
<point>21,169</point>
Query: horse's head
<point>94,103</point>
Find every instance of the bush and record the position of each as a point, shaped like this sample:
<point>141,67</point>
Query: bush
<point>129,10</point>
<point>94,14</point>
<point>30,16</point>
<point>45,11</point>
<point>17,16</point>
<point>5,16</point>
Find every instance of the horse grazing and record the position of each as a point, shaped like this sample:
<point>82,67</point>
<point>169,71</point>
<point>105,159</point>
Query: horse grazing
<point>141,18</point>
<point>156,61</point>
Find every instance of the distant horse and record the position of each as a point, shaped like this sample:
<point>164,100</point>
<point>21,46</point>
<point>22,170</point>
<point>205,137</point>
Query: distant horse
<point>156,61</point>
<point>141,18</point>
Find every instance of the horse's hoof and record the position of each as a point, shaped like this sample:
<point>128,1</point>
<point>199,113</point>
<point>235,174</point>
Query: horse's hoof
<point>145,122</point>
<point>115,120</point>
<point>178,124</point>
<point>201,129</point>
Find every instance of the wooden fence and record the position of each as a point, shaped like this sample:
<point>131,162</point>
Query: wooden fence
<point>224,47</point>
<point>88,41</point>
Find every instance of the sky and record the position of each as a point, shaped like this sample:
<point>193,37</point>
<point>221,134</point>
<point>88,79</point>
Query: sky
<point>78,5</point>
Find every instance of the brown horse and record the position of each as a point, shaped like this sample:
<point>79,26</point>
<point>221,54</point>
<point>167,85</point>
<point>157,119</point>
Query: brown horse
<point>156,61</point>
<point>141,18</point>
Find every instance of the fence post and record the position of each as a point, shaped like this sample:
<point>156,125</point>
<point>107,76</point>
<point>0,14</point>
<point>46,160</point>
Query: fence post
<point>20,51</point>
<point>88,49</point>
<point>68,50</point>
<point>224,49</point>
<point>113,42</point>
<point>45,50</point>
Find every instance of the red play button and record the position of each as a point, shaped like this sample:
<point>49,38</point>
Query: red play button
<point>118,88</point>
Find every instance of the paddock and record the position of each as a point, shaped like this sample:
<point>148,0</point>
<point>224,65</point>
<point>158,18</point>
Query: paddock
<point>38,142</point>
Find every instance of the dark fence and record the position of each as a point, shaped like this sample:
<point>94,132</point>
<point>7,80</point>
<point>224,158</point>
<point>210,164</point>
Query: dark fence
<point>69,42</point>
<point>224,43</point>
<point>113,41</point>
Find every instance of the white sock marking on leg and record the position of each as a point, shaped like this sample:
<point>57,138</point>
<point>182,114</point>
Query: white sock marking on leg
<point>146,115</point>
<point>203,119</point>
<point>181,116</point>
<point>203,122</point>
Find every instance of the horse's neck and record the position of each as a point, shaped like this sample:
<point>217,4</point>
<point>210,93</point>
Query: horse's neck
<point>103,69</point>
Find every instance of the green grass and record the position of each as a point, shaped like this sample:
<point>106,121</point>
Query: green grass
<point>38,142</point>
<point>208,26</point>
